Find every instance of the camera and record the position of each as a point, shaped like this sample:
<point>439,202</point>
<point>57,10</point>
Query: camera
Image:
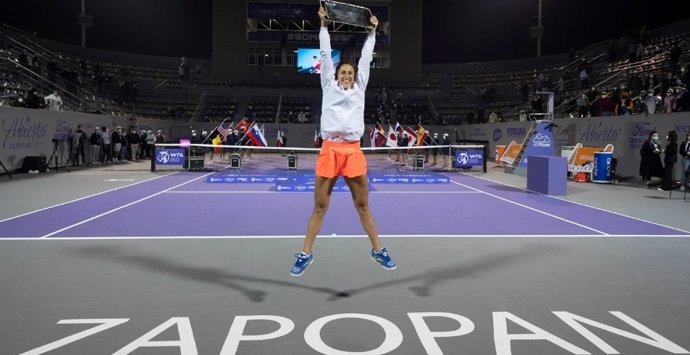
<point>56,140</point>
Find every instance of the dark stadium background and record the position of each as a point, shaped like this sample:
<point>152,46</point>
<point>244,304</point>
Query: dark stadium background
<point>480,30</point>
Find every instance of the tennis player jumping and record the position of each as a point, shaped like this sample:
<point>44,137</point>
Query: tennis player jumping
<point>342,126</point>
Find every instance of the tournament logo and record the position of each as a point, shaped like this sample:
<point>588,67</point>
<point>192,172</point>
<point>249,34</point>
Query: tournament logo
<point>163,157</point>
<point>498,133</point>
<point>463,158</point>
<point>541,140</point>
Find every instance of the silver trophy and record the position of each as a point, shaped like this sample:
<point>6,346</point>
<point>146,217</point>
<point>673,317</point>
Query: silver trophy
<point>349,14</point>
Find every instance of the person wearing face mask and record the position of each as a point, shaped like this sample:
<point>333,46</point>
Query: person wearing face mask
<point>670,159</point>
<point>650,165</point>
<point>342,126</point>
<point>684,152</point>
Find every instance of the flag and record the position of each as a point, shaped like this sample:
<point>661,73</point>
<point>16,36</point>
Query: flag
<point>379,136</point>
<point>255,135</point>
<point>224,128</point>
<point>392,137</point>
<point>421,136</point>
<point>399,128</point>
<point>280,142</point>
<point>244,123</point>
<point>413,136</point>
<point>217,141</point>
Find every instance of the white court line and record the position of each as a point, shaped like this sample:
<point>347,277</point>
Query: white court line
<point>83,198</point>
<point>531,208</point>
<point>311,192</point>
<point>478,236</point>
<point>584,205</point>
<point>123,206</point>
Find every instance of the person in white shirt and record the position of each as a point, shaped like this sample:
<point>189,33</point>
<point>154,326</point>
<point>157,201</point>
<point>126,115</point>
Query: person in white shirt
<point>342,126</point>
<point>54,101</point>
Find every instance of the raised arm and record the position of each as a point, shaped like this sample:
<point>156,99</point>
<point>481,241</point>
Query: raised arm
<point>327,70</point>
<point>367,55</point>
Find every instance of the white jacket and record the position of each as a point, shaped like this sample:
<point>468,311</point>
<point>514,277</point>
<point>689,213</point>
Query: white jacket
<point>342,111</point>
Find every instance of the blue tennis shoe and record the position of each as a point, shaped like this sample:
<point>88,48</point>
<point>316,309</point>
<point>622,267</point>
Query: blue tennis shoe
<point>383,258</point>
<point>303,260</point>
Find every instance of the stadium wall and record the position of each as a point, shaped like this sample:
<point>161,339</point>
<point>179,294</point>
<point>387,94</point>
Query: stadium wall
<point>26,132</point>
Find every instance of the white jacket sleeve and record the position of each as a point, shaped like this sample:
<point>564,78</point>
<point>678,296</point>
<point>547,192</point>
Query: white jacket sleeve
<point>365,60</point>
<point>327,70</point>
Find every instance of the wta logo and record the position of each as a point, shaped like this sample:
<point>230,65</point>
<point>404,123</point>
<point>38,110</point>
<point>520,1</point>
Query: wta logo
<point>163,157</point>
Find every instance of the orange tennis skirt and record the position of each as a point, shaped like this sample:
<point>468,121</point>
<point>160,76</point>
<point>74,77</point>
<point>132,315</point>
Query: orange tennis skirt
<point>341,159</point>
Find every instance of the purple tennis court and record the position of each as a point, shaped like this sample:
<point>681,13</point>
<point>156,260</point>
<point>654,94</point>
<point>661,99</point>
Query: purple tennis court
<point>184,204</point>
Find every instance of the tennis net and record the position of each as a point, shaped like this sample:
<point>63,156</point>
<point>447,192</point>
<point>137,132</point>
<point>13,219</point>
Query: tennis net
<point>274,160</point>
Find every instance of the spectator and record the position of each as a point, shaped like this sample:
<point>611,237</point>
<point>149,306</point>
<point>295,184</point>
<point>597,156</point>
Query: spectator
<point>684,152</point>
<point>53,101</point>
<point>606,105</point>
<point>106,146</point>
<point>650,101</point>
<point>143,147</point>
<point>301,117</point>
<point>33,100</point>
<point>133,141</point>
<point>670,159</point>
<point>95,141</point>
<point>183,69</point>
<point>160,137</point>
<point>78,144</point>
<point>650,164</point>
<point>625,104</point>
<point>493,117</point>
<point>150,141</point>
<point>582,106</point>
<point>116,140</point>
<point>651,82</point>
<point>670,101</point>
<point>584,77</point>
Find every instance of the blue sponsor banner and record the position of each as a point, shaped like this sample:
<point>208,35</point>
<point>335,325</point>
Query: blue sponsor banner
<point>467,158</point>
<point>170,156</point>
<point>408,179</point>
<point>301,187</point>
<point>241,179</point>
<point>291,182</point>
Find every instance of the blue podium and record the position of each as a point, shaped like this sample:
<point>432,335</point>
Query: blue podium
<point>547,175</point>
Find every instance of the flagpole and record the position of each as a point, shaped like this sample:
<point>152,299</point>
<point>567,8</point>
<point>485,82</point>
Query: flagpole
<point>209,133</point>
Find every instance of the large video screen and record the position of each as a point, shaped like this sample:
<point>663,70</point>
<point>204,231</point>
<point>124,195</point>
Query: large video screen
<point>309,60</point>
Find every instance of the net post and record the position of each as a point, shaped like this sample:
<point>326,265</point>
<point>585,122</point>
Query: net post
<point>486,157</point>
<point>450,158</point>
<point>153,159</point>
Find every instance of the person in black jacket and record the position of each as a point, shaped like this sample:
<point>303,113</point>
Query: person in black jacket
<point>684,152</point>
<point>650,165</point>
<point>670,159</point>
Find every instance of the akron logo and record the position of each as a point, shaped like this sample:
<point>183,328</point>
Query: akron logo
<point>541,140</point>
<point>163,157</point>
